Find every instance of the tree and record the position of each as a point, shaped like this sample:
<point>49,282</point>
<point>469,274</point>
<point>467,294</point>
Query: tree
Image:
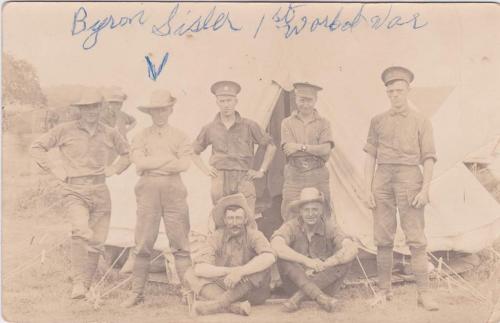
<point>20,84</point>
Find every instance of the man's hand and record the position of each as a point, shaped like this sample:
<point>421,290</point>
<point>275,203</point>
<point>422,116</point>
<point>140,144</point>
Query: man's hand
<point>109,171</point>
<point>370,200</point>
<point>59,173</point>
<point>211,171</point>
<point>233,278</point>
<point>253,174</point>
<point>421,199</point>
<point>316,264</point>
<point>291,148</point>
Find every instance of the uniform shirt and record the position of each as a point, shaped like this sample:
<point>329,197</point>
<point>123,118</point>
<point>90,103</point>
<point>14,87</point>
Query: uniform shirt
<point>233,148</point>
<point>82,154</point>
<point>161,144</point>
<point>222,249</point>
<point>314,132</point>
<point>400,137</point>
<point>119,121</point>
<point>325,241</point>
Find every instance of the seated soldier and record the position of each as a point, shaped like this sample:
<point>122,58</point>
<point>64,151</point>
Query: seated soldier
<point>231,269</point>
<point>313,254</point>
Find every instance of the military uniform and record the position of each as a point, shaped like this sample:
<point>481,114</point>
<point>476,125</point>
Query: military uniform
<point>232,149</point>
<point>86,196</point>
<point>302,168</point>
<point>160,193</point>
<point>400,141</point>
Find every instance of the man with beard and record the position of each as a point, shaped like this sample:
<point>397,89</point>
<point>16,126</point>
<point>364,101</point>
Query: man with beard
<point>160,153</point>
<point>399,141</point>
<point>306,139</point>
<point>232,269</point>
<point>314,255</point>
<point>84,146</point>
<point>233,139</point>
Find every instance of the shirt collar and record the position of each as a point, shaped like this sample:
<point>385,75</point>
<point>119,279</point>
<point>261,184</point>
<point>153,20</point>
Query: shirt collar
<point>237,117</point>
<point>319,228</point>
<point>403,113</point>
<point>154,129</point>
<point>295,114</point>
<point>100,126</point>
<point>239,238</point>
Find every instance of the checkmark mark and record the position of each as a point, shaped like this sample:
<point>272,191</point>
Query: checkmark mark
<point>154,72</point>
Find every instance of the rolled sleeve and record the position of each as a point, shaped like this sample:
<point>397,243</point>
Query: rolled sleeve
<point>201,142</point>
<point>325,135</point>
<point>43,144</point>
<point>426,141</point>
<point>259,243</point>
<point>286,231</point>
<point>286,133</point>
<point>259,136</point>
<point>371,146</point>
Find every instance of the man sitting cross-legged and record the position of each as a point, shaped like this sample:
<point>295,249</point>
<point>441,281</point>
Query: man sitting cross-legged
<point>313,253</point>
<point>231,269</point>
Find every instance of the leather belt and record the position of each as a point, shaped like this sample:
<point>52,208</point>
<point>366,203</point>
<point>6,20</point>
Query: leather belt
<point>305,163</point>
<point>87,180</point>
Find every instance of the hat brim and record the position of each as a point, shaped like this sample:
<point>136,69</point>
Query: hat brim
<point>147,108</point>
<point>219,209</point>
<point>295,205</point>
<point>84,104</point>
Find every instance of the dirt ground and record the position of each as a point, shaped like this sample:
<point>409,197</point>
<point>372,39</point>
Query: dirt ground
<point>40,292</point>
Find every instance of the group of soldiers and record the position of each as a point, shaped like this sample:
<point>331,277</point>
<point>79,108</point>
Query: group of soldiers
<point>232,269</point>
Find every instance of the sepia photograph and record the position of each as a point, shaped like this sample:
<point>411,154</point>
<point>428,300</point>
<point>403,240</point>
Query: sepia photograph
<point>250,161</point>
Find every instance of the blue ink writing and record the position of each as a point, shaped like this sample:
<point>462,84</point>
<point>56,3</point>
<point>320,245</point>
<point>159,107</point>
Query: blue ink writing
<point>154,72</point>
<point>81,25</point>
<point>212,21</point>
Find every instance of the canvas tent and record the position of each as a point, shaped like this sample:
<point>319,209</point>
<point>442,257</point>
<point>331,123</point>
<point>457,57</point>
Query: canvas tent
<point>462,215</point>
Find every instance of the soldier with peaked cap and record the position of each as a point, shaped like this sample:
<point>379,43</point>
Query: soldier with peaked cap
<point>233,139</point>
<point>84,145</point>
<point>399,141</point>
<point>160,153</point>
<point>232,268</point>
<point>314,255</point>
<point>114,116</point>
<point>306,139</point>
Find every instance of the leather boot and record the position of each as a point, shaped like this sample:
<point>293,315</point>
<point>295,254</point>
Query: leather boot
<point>241,308</point>
<point>326,302</point>
<point>293,303</point>
<point>140,274</point>
<point>209,307</point>
<point>384,271</point>
<point>132,300</point>
<point>92,262</point>
<point>426,300</point>
<point>78,267</point>
<point>222,304</point>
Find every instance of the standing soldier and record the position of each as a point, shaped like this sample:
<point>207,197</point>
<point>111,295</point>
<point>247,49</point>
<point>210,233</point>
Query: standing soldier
<point>160,153</point>
<point>115,117</point>
<point>232,138</point>
<point>306,139</point>
<point>84,145</point>
<point>399,140</point>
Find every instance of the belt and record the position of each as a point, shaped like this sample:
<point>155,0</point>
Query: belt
<point>87,180</point>
<point>153,174</point>
<point>306,163</point>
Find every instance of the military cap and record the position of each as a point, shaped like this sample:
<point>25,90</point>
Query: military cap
<point>306,89</point>
<point>89,97</point>
<point>225,88</point>
<point>394,73</point>
<point>116,96</point>
<point>159,99</point>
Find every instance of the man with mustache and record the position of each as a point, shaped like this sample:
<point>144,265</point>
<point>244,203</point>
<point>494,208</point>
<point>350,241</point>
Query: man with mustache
<point>314,255</point>
<point>399,141</point>
<point>160,153</point>
<point>232,268</point>
<point>306,139</point>
<point>84,147</point>
<point>233,139</point>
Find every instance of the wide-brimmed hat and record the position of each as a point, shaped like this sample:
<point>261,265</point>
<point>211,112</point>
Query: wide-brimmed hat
<point>89,97</point>
<point>219,211</point>
<point>116,96</point>
<point>307,195</point>
<point>159,99</point>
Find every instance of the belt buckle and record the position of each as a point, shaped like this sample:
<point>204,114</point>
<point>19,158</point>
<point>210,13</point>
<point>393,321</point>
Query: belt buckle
<point>304,164</point>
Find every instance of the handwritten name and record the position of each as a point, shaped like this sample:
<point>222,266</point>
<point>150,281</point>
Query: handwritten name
<point>288,19</point>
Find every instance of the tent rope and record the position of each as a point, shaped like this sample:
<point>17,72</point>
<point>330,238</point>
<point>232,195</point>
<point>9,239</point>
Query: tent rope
<point>99,283</point>
<point>366,276</point>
